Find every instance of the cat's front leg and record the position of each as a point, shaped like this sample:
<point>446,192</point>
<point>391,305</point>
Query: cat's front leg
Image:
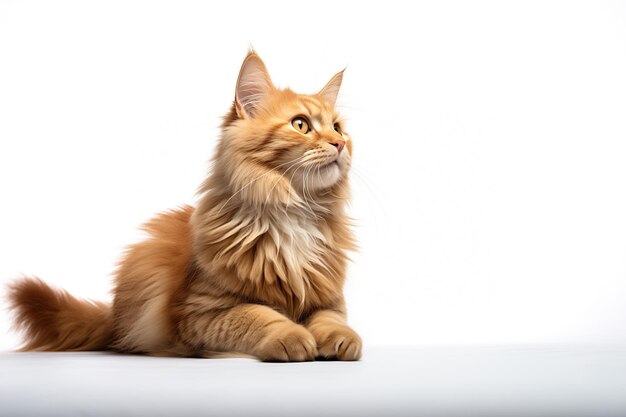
<point>252,329</point>
<point>335,340</point>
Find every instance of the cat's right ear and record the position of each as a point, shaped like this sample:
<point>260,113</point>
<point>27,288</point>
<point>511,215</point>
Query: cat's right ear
<point>253,85</point>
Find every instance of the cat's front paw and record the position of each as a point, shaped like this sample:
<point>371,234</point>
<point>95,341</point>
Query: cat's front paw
<point>288,343</point>
<point>339,343</point>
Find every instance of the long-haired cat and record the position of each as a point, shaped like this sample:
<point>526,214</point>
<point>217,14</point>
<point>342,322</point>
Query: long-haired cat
<point>257,268</point>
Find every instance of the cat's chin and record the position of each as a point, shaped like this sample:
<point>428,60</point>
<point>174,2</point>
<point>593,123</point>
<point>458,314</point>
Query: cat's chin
<point>327,176</point>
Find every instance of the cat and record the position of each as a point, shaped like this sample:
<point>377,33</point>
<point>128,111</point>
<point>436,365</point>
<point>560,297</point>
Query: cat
<point>256,269</point>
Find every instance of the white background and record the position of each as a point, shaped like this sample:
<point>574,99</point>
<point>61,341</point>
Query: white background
<point>490,148</point>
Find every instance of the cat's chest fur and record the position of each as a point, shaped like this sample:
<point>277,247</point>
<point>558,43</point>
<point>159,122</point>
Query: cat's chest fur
<point>292,251</point>
<point>283,259</point>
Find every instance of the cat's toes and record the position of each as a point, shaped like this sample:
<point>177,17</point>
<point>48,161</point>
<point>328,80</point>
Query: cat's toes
<point>341,343</point>
<point>293,343</point>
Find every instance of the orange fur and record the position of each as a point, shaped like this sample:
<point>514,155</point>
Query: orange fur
<point>54,320</point>
<point>257,268</point>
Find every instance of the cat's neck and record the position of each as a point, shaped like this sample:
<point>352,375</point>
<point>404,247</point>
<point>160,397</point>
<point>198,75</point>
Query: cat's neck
<point>271,199</point>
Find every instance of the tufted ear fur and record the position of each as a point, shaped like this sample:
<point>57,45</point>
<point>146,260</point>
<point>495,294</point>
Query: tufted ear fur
<point>253,85</point>
<point>331,89</point>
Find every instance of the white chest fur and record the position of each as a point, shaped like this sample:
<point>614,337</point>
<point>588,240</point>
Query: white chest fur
<point>290,248</point>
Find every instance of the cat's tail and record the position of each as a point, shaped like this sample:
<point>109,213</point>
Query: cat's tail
<point>53,320</point>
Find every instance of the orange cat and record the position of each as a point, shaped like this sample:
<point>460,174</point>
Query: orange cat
<point>257,268</point>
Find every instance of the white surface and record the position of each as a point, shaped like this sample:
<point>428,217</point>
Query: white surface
<point>432,382</point>
<point>489,149</point>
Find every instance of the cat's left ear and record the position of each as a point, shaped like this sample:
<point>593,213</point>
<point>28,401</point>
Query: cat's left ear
<point>331,89</point>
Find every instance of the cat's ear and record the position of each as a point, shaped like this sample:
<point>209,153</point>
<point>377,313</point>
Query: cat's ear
<point>253,85</point>
<point>331,89</point>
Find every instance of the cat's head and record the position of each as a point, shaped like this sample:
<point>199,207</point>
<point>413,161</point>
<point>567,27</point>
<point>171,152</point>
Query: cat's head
<point>277,142</point>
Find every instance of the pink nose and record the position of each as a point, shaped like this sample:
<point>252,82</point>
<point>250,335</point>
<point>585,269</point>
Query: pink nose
<point>339,145</point>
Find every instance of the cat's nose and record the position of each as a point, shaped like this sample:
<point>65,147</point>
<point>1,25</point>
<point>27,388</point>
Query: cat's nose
<point>339,144</point>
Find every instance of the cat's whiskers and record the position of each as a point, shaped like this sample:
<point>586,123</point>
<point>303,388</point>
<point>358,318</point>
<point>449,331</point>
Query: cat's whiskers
<point>319,177</point>
<point>308,195</point>
<point>276,183</point>
<point>256,179</point>
<point>309,181</point>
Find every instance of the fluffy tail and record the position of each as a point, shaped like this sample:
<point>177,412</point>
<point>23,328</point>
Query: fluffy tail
<point>54,320</point>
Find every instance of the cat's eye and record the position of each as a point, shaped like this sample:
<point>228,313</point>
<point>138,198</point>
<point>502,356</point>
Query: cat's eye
<point>337,128</point>
<point>301,125</point>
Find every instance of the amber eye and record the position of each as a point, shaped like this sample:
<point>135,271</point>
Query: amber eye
<point>337,128</point>
<point>301,125</point>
